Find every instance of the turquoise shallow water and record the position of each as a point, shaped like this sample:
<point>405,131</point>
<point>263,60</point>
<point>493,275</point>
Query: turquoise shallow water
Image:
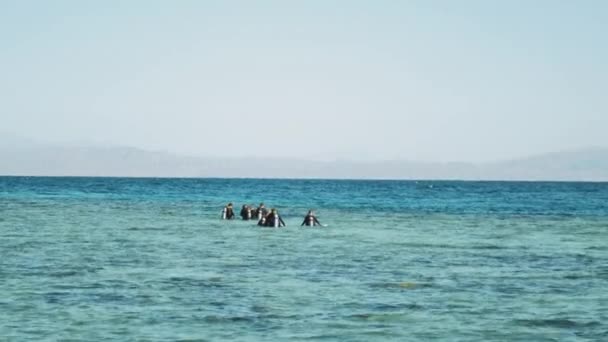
<point>149,259</point>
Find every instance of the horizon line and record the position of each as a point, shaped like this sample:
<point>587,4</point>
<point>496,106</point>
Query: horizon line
<point>320,179</point>
<point>74,144</point>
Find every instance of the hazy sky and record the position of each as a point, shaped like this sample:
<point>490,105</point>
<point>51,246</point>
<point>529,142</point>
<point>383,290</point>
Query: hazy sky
<point>420,80</point>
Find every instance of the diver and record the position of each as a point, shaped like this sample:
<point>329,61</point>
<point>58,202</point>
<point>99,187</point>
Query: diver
<point>273,219</point>
<point>246,212</point>
<point>261,211</point>
<point>262,221</point>
<point>228,212</point>
<point>311,220</point>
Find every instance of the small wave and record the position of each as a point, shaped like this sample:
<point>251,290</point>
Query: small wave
<point>487,247</point>
<point>556,323</point>
<point>397,307</point>
<point>323,337</point>
<point>448,246</point>
<point>401,285</point>
<point>195,282</point>
<point>578,276</point>
<point>55,297</point>
<point>146,228</point>
<point>378,317</point>
<point>80,286</point>
<point>62,274</point>
<point>597,248</point>
<point>228,319</point>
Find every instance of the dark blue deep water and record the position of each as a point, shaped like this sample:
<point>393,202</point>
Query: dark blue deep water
<point>150,260</point>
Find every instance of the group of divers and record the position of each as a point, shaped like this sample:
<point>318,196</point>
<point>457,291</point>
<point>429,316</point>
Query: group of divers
<point>265,217</point>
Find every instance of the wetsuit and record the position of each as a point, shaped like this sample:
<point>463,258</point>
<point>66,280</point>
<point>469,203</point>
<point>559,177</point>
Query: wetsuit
<point>246,213</point>
<point>274,221</point>
<point>310,220</point>
<point>227,213</point>
<point>261,212</point>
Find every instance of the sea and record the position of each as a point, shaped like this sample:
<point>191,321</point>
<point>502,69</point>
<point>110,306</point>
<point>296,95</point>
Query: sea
<point>128,259</point>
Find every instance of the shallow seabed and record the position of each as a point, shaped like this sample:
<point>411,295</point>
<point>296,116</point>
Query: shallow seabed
<point>149,259</point>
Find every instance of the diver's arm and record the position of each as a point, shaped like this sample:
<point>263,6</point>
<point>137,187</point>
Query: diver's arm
<point>317,222</point>
<point>281,220</point>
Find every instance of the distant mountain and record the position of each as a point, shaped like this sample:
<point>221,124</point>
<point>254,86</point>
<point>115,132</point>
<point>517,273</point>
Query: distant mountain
<point>18,157</point>
<point>583,164</point>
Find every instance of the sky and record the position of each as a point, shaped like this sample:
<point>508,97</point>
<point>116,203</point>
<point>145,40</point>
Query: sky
<point>327,80</point>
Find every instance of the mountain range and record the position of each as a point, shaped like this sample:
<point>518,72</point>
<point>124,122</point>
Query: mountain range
<point>25,158</point>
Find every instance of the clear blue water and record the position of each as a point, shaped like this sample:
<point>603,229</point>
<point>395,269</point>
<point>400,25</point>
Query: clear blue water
<point>149,259</point>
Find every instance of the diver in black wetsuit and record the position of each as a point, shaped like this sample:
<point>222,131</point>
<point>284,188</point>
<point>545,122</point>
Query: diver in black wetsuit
<point>262,221</point>
<point>311,220</point>
<point>246,212</point>
<point>228,212</point>
<point>261,211</point>
<point>274,220</point>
